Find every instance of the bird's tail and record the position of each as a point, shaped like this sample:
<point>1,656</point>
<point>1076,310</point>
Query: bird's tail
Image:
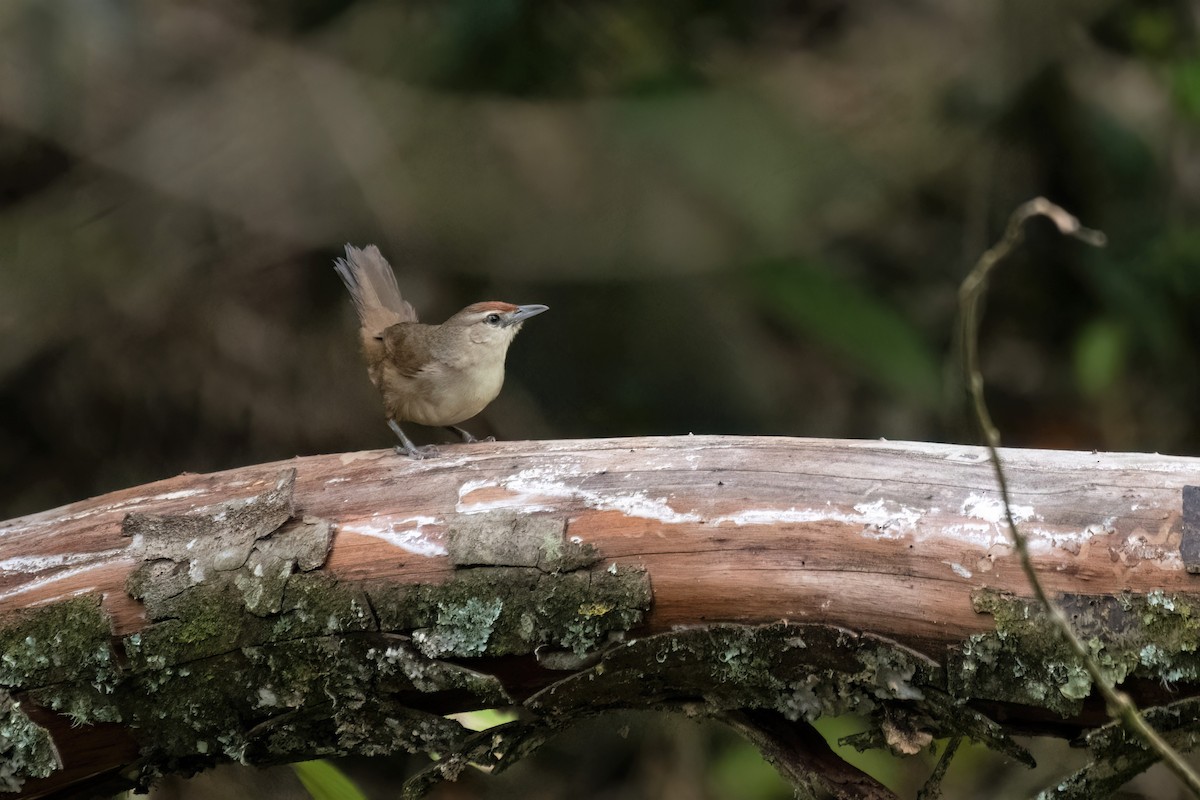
<point>372,285</point>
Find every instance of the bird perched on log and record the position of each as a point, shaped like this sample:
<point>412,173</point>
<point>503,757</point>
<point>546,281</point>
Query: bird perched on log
<point>435,375</point>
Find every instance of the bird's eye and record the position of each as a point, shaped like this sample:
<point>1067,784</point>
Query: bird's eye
<point>492,319</point>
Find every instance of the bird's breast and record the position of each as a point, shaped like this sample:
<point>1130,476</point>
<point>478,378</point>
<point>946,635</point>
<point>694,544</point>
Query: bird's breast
<point>442,395</point>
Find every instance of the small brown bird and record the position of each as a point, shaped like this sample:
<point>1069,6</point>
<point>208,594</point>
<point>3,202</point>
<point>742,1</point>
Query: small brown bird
<point>434,375</point>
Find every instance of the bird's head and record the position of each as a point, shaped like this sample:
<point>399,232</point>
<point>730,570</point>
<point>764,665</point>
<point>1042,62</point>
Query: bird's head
<point>493,323</point>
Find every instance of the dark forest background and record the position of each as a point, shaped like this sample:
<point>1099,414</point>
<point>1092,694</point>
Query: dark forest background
<point>747,216</point>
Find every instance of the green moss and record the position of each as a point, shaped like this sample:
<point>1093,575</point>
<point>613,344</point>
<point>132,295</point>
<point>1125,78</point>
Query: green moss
<point>276,702</point>
<point>578,611</point>
<point>205,621</point>
<point>520,585</point>
<point>287,674</point>
<point>319,605</point>
<point>1025,660</point>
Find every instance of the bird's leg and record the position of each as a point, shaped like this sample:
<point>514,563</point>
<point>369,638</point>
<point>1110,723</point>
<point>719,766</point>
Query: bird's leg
<point>407,447</point>
<point>461,432</point>
<point>466,435</point>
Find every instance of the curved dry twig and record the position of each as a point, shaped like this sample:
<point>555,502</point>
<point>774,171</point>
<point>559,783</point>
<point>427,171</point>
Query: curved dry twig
<point>973,287</point>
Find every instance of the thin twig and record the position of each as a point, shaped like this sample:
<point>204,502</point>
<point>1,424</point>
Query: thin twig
<point>1120,707</point>
<point>932,790</point>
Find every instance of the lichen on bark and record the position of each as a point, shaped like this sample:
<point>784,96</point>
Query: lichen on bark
<point>515,610</point>
<point>59,643</point>
<point>801,671</point>
<point>66,645</point>
<point>26,749</point>
<point>520,584</point>
<point>251,653</point>
<point>1025,660</point>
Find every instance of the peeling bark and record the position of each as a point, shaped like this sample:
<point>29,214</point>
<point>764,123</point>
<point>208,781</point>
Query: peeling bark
<point>339,604</point>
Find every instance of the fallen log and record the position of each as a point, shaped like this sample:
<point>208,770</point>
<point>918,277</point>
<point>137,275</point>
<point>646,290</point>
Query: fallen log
<point>346,603</point>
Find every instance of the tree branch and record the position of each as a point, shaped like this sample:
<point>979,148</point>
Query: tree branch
<point>344,603</point>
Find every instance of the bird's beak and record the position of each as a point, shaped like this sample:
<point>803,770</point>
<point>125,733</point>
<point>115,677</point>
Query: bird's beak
<point>525,312</point>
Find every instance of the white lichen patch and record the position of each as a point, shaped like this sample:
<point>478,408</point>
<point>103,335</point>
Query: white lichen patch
<point>179,494</point>
<point>1104,527</point>
<point>546,488</point>
<point>49,580</point>
<point>991,510</point>
<point>982,536</point>
<point>993,530</point>
<point>412,534</point>
<point>888,520</point>
<point>196,572</point>
<point>884,520</point>
<point>541,488</point>
<point>979,521</point>
<point>29,565</point>
<point>958,569</point>
<point>879,519</point>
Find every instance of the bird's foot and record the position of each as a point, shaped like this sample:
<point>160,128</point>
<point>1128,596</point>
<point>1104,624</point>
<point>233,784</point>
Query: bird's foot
<point>418,453</point>
<point>466,436</point>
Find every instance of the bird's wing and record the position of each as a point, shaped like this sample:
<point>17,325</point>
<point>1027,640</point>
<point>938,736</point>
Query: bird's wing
<point>409,353</point>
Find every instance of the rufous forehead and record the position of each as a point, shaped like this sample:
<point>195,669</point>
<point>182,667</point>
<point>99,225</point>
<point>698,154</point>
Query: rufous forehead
<point>491,305</point>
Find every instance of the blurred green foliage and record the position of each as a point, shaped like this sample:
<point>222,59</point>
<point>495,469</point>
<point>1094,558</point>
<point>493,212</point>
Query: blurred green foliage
<point>740,772</point>
<point>324,781</point>
<point>542,48</point>
<point>1100,354</point>
<point>883,346</point>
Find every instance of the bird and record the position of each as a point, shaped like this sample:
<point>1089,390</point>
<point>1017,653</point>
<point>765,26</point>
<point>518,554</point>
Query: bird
<point>437,375</point>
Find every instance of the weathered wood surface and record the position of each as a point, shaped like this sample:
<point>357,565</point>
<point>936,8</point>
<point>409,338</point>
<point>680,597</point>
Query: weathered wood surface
<point>889,538</point>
